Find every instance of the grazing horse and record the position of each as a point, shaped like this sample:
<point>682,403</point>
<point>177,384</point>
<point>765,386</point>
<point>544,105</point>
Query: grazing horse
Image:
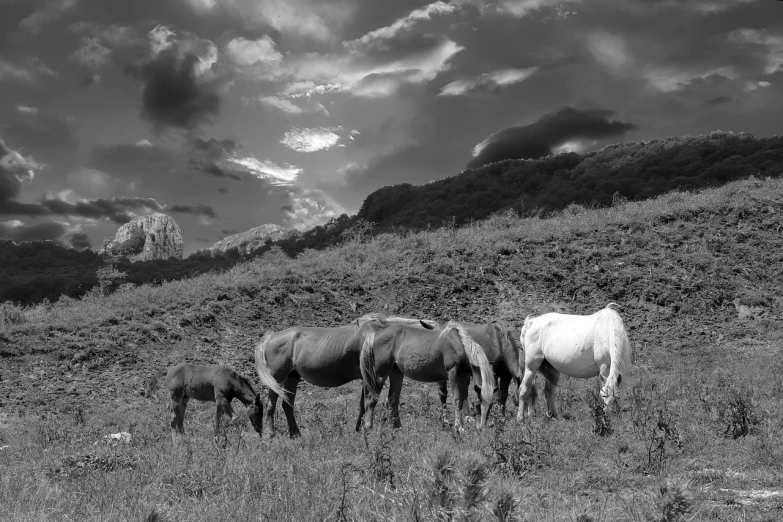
<point>424,355</point>
<point>213,383</point>
<point>502,348</point>
<point>326,357</point>
<point>580,346</point>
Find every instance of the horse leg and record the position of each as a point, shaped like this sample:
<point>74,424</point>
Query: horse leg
<point>223,407</point>
<point>552,377</point>
<point>269,417</point>
<point>443,393</point>
<point>290,386</point>
<point>395,388</point>
<point>179,401</point>
<point>526,388</point>
<point>361,412</point>
<point>460,383</point>
<point>503,384</point>
<point>607,393</point>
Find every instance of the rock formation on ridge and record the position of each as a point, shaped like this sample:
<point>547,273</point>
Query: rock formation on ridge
<point>156,236</point>
<point>251,239</point>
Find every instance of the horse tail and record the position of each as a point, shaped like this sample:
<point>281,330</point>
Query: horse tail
<point>612,306</point>
<point>619,347</point>
<point>152,386</point>
<point>477,358</point>
<point>262,368</point>
<point>372,384</point>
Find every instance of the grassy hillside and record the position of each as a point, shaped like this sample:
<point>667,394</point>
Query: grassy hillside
<point>697,276</point>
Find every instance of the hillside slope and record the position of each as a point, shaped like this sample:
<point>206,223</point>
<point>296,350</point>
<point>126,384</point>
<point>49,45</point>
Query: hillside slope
<point>634,170</point>
<point>688,270</point>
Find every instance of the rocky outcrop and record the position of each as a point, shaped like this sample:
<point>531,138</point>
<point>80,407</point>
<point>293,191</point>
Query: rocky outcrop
<point>251,239</point>
<point>156,236</point>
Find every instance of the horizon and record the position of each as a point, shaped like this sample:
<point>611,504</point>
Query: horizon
<point>228,114</point>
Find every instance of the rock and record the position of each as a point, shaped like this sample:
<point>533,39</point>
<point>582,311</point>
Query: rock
<point>156,236</point>
<point>251,239</point>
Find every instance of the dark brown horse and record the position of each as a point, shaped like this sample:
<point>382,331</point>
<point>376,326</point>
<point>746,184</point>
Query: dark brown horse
<point>213,383</point>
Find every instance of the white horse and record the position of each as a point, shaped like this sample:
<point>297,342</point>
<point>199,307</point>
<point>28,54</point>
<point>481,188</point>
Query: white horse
<point>580,346</point>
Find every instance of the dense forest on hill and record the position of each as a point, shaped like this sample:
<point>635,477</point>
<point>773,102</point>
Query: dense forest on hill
<point>634,171</point>
<point>32,272</point>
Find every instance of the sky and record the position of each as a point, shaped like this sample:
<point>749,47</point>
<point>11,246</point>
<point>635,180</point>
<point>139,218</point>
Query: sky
<point>229,114</point>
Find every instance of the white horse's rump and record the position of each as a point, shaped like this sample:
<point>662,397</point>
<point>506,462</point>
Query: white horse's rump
<point>580,346</point>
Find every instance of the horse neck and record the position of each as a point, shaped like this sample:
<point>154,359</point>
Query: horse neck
<point>244,391</point>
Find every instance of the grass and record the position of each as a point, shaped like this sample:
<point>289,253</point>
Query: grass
<point>696,275</point>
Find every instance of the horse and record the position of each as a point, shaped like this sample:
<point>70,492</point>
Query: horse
<point>424,355</point>
<point>325,357</point>
<point>501,346</point>
<point>581,346</point>
<point>213,383</point>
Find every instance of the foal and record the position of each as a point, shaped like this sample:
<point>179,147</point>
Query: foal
<point>213,383</point>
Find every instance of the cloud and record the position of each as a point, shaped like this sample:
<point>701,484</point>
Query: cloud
<point>210,157</point>
<point>120,210</point>
<point>772,45</point>
<point>89,180</point>
<point>608,49</point>
<point>15,170</point>
<point>251,52</point>
<point>487,81</point>
<point>289,107</point>
<point>374,73</point>
<point>719,100</point>
<point>30,70</point>
<point>703,7</point>
<point>309,208</point>
<point>402,24</point>
<point>550,131</point>
<point>92,54</point>
<point>318,20</point>
<point>672,79</point>
<point>57,231</point>
<point>269,171</point>
<point>52,11</point>
<point>176,91</point>
<point>521,8</point>
<point>311,140</point>
<point>195,210</point>
<point>27,110</point>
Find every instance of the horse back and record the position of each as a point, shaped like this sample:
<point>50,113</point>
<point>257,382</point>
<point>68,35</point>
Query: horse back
<point>424,355</point>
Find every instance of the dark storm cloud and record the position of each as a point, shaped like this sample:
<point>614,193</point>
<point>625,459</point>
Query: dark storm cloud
<point>195,210</point>
<point>172,95</point>
<point>222,190</point>
<point>540,138</point>
<point>78,240</point>
<point>206,156</point>
<point>720,100</point>
<point>118,209</point>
